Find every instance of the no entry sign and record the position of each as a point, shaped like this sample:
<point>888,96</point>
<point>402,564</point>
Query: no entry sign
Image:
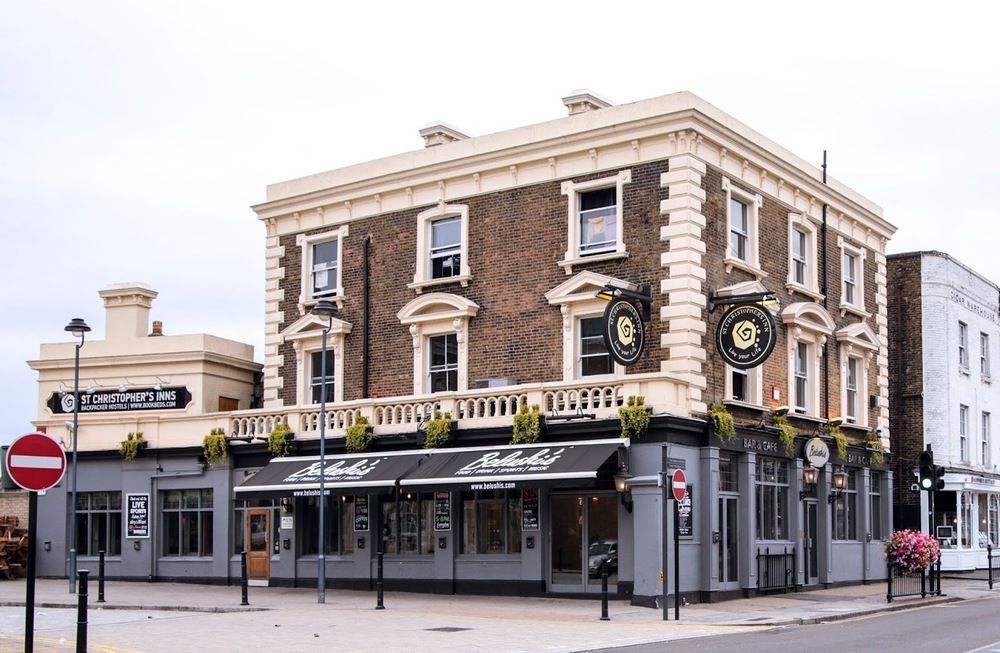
<point>36,462</point>
<point>679,485</point>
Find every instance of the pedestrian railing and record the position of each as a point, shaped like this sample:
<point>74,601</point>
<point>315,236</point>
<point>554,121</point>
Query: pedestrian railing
<point>776,571</point>
<point>912,583</point>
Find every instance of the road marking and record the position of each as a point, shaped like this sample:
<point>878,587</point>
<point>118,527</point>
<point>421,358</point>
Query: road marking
<point>989,648</point>
<point>36,462</point>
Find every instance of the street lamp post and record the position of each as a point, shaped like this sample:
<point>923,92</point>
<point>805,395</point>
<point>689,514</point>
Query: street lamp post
<point>79,329</point>
<point>323,309</point>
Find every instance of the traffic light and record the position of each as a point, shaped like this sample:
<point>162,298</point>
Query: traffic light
<point>938,478</point>
<point>928,472</point>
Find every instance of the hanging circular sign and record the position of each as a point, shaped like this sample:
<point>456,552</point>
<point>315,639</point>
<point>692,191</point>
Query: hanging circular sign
<point>816,453</point>
<point>746,335</point>
<point>623,333</point>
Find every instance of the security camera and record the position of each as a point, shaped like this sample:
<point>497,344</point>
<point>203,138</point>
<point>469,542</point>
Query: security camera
<point>835,421</point>
<point>781,411</point>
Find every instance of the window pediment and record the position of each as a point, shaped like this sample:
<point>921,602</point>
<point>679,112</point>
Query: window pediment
<point>860,335</point>
<point>311,326</point>
<point>582,286</point>
<point>437,306</point>
<point>809,316</point>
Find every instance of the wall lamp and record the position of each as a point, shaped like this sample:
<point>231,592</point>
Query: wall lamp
<point>624,491</point>
<point>809,477</point>
<point>838,483</point>
<point>780,411</point>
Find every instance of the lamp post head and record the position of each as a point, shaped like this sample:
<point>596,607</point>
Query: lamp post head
<point>77,327</point>
<point>324,309</point>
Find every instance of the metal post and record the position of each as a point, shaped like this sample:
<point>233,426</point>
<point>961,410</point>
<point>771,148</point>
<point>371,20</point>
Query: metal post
<point>604,590</point>
<point>677,562</point>
<point>379,605</point>
<point>29,592</point>
<point>989,564</point>
<point>81,613</point>
<point>100,577</point>
<point>923,582</point>
<point>321,558</point>
<point>664,520</point>
<point>76,438</point>
<point>888,578</point>
<point>244,579</point>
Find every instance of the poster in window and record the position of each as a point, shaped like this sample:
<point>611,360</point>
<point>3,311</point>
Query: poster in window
<point>361,514</point>
<point>684,516</point>
<point>529,509</point>
<point>442,511</point>
<point>137,516</point>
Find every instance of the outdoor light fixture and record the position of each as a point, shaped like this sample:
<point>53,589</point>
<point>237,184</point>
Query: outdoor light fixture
<point>809,477</point>
<point>79,329</point>
<point>122,387</point>
<point>323,309</point>
<point>780,411</point>
<point>834,422</point>
<point>624,491</point>
<point>838,482</point>
<point>642,295</point>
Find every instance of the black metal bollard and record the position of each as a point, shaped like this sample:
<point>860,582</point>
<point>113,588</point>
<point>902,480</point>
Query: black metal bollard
<point>379,605</point>
<point>81,612</point>
<point>989,563</point>
<point>888,579</point>
<point>604,591</point>
<point>100,578</point>
<point>244,580</point>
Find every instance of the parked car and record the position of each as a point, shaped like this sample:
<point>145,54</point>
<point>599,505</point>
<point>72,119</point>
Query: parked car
<point>598,553</point>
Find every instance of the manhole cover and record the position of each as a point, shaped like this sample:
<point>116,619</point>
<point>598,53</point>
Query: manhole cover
<point>447,629</point>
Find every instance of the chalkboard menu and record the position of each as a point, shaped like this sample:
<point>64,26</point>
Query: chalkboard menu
<point>529,509</point>
<point>137,515</point>
<point>684,517</point>
<point>442,511</point>
<point>361,514</point>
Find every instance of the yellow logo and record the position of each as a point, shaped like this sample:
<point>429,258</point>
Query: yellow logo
<point>745,334</point>
<point>626,330</point>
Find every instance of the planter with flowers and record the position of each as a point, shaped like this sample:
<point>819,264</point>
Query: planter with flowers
<point>911,551</point>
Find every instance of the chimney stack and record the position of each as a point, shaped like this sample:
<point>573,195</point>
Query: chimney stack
<point>584,100</point>
<point>439,133</point>
<point>157,328</point>
<point>126,310</point>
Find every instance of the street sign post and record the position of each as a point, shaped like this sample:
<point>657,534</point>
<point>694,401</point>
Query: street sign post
<point>678,486</point>
<point>35,462</point>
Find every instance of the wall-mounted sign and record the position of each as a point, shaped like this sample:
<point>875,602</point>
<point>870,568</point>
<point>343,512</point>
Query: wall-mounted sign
<point>442,511</point>
<point>746,335</point>
<point>113,401</point>
<point>816,452</point>
<point>685,519</point>
<point>623,333</point>
<point>287,522</point>
<point>529,509</point>
<point>136,516</point>
<point>360,514</point>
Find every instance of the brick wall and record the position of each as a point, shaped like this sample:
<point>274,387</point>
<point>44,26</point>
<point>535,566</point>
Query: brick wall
<point>774,251</point>
<point>516,238</point>
<point>14,503</point>
<point>906,373</point>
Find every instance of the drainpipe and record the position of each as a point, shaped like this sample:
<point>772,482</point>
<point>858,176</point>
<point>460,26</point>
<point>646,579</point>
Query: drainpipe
<point>365,250</point>
<point>825,291</point>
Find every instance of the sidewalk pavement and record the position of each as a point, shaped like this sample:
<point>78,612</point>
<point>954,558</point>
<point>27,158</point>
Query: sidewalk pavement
<point>183,617</point>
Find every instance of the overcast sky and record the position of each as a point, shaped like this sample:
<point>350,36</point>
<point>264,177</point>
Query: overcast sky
<point>135,136</point>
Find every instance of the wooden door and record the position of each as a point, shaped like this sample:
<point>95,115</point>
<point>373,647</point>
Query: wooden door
<point>258,539</point>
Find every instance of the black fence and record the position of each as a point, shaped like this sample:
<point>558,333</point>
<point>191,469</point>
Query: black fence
<point>917,583</point>
<point>776,571</point>
<point>992,565</point>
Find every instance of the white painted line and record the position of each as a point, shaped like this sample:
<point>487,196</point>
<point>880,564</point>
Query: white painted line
<point>36,462</point>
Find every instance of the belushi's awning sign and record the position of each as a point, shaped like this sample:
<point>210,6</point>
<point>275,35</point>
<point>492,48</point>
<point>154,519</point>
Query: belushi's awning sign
<point>115,401</point>
<point>300,476</point>
<point>507,467</point>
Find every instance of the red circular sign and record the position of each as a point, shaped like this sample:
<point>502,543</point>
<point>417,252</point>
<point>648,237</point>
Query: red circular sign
<point>36,462</point>
<point>679,485</point>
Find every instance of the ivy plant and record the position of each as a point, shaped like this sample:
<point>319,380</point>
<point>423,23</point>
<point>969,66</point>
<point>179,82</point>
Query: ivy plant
<point>839,439</point>
<point>214,448</point>
<point>634,417</point>
<point>527,425</point>
<point>437,433</point>
<point>722,422</point>
<point>129,447</point>
<point>875,444</point>
<point>786,433</point>
<point>359,435</point>
<point>278,442</point>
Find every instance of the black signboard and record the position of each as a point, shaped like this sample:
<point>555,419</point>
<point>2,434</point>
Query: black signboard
<point>746,335</point>
<point>442,511</point>
<point>684,517</point>
<point>623,333</point>
<point>360,514</point>
<point>137,516</point>
<point>529,509</point>
<point>114,401</point>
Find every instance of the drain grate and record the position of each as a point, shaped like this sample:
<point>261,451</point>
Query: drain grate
<point>447,629</point>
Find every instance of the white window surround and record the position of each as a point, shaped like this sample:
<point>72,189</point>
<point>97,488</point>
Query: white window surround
<point>807,322</point>
<point>431,315</point>
<point>305,243</point>
<point>860,254</point>
<point>575,299</point>
<point>306,336</point>
<point>811,286</point>
<point>754,202</point>
<point>858,341</point>
<point>755,377</point>
<point>572,190</point>
<point>422,277</point>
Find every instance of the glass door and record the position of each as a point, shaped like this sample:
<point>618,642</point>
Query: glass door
<point>584,535</point>
<point>729,569</point>
<point>811,543</point>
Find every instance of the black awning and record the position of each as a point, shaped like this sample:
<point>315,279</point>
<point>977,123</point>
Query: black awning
<point>356,472</point>
<point>505,467</point>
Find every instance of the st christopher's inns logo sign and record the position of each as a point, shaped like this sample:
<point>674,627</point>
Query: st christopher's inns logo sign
<point>746,335</point>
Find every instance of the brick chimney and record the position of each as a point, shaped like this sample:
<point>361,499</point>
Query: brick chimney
<point>157,328</point>
<point>126,310</point>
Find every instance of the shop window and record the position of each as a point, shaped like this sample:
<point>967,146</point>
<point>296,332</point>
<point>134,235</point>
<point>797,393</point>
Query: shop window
<point>845,509</point>
<point>875,506</point>
<point>966,527</point>
<point>316,376</point>
<point>338,522</point>
<point>442,246</point>
<point>742,216</point>
<point>491,522</point>
<point>98,523</point>
<point>963,346</point>
<point>772,499</point>
<point>595,229</point>
<point>239,522</point>
<point>408,524</point>
<point>728,473</point>
<point>187,522</point>
<point>593,359</point>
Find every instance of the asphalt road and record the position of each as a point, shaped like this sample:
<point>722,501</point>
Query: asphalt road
<point>961,627</point>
